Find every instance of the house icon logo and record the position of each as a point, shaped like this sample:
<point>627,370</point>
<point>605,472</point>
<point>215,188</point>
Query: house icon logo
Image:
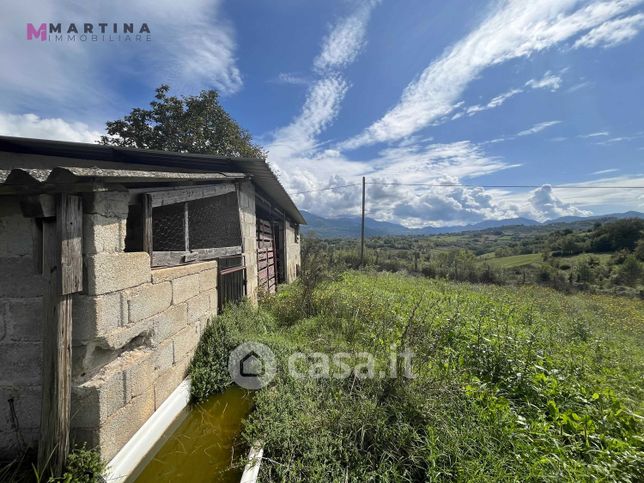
<point>252,365</point>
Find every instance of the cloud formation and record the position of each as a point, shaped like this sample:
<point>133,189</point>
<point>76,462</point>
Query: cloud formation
<point>613,33</point>
<point>294,144</point>
<point>516,29</point>
<point>193,46</point>
<point>549,81</point>
<point>544,205</point>
<point>346,39</point>
<point>32,126</point>
<point>538,128</point>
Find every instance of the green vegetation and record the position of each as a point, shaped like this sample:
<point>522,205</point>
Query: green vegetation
<point>580,256</point>
<point>82,466</point>
<point>515,260</point>
<point>189,124</point>
<point>520,383</point>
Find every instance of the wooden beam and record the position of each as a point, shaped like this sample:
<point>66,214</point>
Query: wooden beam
<point>170,197</point>
<point>38,206</point>
<point>171,258</point>
<point>62,260</point>
<point>70,233</point>
<point>147,225</point>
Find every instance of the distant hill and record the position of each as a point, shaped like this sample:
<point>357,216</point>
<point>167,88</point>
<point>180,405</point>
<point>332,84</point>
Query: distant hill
<point>349,226</point>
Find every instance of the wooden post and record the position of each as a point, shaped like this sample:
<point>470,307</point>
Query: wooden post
<point>362,225</point>
<point>147,225</point>
<point>62,262</point>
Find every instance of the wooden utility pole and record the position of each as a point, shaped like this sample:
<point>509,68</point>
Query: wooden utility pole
<point>63,268</point>
<point>362,225</point>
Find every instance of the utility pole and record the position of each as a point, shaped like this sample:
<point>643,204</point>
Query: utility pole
<point>362,226</point>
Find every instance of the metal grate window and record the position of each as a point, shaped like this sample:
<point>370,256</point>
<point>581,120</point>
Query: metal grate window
<point>168,227</point>
<point>214,222</point>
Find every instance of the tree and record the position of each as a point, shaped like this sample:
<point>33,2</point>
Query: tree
<point>630,271</point>
<point>193,124</point>
<point>639,249</point>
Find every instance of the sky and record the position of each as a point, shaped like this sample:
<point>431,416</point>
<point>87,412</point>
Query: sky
<point>408,93</point>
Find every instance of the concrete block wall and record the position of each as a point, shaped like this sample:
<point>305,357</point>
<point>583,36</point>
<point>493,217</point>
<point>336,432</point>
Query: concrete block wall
<point>135,329</point>
<point>293,255</point>
<point>249,236</point>
<point>21,289</point>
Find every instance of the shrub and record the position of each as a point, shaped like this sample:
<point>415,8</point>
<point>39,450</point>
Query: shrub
<point>84,466</point>
<point>209,367</point>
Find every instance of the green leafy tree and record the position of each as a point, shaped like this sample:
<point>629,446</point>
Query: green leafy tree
<point>639,249</point>
<point>193,124</point>
<point>630,271</point>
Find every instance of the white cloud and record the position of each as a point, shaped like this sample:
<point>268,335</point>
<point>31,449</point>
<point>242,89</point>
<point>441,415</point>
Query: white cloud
<point>549,81</point>
<point>290,79</point>
<point>296,144</point>
<point>419,161</point>
<point>516,29</point>
<point>543,204</point>
<point>538,128</point>
<point>320,108</point>
<point>30,125</point>
<point>346,39</point>
<point>495,102</point>
<point>193,46</point>
<point>594,134</point>
<point>613,33</point>
<point>605,171</point>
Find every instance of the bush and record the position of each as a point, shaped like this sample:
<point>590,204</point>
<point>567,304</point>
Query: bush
<point>84,466</point>
<point>209,367</point>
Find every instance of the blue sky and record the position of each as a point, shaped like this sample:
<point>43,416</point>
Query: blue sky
<point>547,92</point>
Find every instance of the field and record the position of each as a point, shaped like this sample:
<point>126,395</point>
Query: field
<point>603,258</point>
<point>514,261</point>
<point>511,383</point>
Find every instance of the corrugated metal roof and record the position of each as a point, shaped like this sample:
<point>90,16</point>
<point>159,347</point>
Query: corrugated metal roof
<point>115,159</point>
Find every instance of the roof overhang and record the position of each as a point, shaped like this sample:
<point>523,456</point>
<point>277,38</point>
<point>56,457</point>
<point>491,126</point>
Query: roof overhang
<point>47,161</point>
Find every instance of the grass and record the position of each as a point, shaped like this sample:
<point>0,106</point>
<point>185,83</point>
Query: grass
<point>511,383</point>
<point>515,260</point>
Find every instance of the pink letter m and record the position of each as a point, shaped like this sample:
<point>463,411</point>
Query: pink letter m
<point>40,32</point>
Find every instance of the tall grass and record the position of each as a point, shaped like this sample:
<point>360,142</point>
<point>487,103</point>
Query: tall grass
<point>512,384</point>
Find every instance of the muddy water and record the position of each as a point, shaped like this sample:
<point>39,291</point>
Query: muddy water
<point>202,448</point>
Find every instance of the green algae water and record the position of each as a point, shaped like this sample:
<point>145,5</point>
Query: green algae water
<point>203,448</point>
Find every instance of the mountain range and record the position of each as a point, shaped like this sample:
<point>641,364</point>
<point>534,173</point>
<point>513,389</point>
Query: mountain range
<point>349,226</point>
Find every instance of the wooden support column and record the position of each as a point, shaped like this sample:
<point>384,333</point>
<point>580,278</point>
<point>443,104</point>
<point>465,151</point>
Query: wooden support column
<point>63,267</point>
<point>147,225</point>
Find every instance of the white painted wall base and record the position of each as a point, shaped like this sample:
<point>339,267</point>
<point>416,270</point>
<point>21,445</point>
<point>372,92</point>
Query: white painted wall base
<point>136,449</point>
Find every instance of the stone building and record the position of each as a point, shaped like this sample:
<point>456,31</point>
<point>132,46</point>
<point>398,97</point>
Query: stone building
<point>135,250</point>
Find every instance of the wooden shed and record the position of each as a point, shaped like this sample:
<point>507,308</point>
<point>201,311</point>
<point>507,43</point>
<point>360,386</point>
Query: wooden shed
<point>113,260</point>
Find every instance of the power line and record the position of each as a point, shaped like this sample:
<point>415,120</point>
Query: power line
<point>327,189</point>
<point>463,185</point>
<point>451,185</point>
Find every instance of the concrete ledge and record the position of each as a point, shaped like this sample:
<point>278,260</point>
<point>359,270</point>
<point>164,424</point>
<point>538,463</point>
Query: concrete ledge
<point>135,450</point>
<point>170,273</point>
<point>251,471</point>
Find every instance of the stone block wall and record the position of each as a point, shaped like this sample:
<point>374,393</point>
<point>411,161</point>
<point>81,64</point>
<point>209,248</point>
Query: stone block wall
<point>249,236</point>
<point>135,329</point>
<point>21,289</point>
<point>293,256</point>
